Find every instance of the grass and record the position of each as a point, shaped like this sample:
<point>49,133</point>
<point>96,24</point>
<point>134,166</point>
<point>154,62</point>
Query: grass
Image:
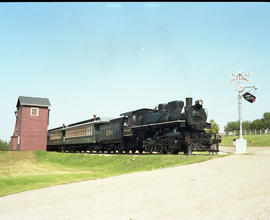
<point>252,140</point>
<point>26,170</point>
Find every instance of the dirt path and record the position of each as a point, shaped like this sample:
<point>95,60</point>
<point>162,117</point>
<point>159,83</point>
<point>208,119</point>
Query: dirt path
<point>234,187</point>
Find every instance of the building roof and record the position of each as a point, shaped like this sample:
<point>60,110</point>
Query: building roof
<point>33,101</point>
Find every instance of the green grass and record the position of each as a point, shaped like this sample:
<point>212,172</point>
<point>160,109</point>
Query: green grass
<point>21,171</point>
<point>3,152</point>
<point>252,140</point>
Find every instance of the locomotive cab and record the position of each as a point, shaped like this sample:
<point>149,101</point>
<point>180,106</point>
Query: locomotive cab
<point>134,118</point>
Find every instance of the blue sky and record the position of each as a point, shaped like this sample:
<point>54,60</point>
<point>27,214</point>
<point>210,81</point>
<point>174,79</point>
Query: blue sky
<point>109,58</point>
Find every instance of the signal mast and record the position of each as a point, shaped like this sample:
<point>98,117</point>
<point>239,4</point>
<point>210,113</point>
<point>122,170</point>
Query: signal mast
<point>241,144</point>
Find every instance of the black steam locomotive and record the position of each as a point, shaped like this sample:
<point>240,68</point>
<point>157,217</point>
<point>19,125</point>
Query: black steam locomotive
<point>169,128</point>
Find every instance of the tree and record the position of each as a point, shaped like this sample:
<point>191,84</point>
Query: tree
<point>214,127</point>
<point>266,120</point>
<point>266,116</point>
<point>257,124</point>
<point>232,126</point>
<point>246,125</point>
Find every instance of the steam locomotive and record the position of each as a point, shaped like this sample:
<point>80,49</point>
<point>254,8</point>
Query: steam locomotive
<point>167,129</point>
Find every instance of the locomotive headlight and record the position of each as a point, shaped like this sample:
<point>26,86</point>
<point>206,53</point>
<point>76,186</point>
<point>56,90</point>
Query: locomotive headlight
<point>199,102</point>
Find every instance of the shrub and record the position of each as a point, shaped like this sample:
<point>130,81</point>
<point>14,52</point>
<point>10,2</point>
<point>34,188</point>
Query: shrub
<point>4,145</point>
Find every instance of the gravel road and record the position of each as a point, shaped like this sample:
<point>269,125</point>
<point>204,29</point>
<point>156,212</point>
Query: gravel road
<point>233,187</point>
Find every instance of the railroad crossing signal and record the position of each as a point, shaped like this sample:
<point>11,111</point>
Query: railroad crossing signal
<point>241,76</point>
<point>241,143</point>
<point>249,97</point>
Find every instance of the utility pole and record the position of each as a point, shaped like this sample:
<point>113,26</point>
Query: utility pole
<point>241,144</point>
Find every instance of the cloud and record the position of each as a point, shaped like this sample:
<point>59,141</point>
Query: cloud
<point>113,5</point>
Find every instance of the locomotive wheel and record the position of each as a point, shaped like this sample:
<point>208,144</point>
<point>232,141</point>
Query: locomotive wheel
<point>164,150</point>
<point>158,149</point>
<point>170,151</point>
<point>149,149</point>
<point>149,146</point>
<point>175,152</point>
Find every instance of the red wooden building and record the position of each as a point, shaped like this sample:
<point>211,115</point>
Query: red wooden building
<point>32,119</point>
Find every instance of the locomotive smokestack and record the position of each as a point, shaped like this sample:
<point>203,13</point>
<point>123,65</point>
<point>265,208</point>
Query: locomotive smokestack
<point>188,101</point>
<point>95,117</point>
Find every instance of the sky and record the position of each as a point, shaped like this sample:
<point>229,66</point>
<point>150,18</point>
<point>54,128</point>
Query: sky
<point>109,58</point>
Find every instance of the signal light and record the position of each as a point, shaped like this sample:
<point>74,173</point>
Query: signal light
<point>249,97</point>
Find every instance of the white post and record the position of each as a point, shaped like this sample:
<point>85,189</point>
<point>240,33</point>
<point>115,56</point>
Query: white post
<point>240,110</point>
<point>240,144</point>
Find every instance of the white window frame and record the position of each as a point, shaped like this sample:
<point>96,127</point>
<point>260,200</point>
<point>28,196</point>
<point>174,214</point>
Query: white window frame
<point>37,111</point>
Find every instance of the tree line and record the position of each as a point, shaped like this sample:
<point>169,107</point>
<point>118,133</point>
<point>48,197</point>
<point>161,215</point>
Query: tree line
<point>257,124</point>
